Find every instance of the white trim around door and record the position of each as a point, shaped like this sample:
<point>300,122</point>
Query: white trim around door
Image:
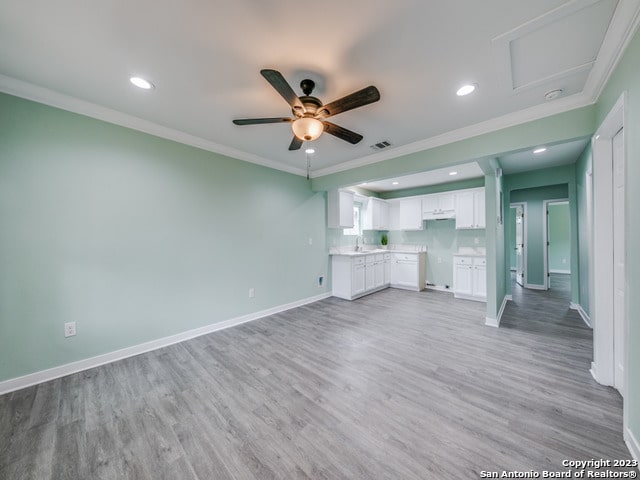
<point>545,237</point>
<point>603,244</point>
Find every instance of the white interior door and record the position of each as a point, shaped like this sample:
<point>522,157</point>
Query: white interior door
<point>520,245</point>
<point>619,323</point>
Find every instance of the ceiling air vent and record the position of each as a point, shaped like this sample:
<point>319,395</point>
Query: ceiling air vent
<point>381,145</point>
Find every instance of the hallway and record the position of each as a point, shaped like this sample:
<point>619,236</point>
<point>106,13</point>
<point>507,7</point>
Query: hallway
<point>560,343</point>
<point>547,312</point>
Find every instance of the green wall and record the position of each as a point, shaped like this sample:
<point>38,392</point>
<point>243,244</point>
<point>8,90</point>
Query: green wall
<point>136,238</point>
<point>442,240</point>
<point>496,258</point>
<point>534,221</point>
<point>559,238</point>
<point>584,181</point>
<point>626,78</point>
<point>544,178</point>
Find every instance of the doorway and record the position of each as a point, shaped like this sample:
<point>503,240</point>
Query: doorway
<point>519,245</point>
<point>619,324</point>
<point>609,252</point>
<point>557,238</point>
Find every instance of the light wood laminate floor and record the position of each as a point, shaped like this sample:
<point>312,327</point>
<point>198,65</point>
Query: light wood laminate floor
<point>395,385</point>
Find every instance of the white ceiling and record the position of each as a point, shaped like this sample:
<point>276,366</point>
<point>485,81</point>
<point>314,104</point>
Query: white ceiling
<point>555,155</point>
<point>432,177</point>
<point>204,58</point>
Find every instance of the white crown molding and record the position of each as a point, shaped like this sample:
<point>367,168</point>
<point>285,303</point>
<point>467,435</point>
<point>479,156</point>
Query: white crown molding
<point>537,112</point>
<point>85,364</point>
<point>52,98</point>
<point>623,26</point>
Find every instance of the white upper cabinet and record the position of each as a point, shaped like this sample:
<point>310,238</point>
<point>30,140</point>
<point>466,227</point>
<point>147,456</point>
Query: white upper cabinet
<point>438,205</point>
<point>340,209</point>
<point>376,215</point>
<point>479,212</point>
<point>411,214</point>
<point>470,209</point>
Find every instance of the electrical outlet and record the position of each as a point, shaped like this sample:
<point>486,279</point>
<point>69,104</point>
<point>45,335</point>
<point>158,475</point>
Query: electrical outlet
<point>320,282</point>
<point>564,261</point>
<point>310,241</point>
<point>439,259</point>
<point>70,329</point>
<point>252,292</point>
<point>476,240</point>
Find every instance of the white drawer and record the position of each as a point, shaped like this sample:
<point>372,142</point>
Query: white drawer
<point>406,256</point>
<point>379,257</point>
<point>462,261</point>
<point>480,261</point>
<point>370,259</point>
<point>357,261</point>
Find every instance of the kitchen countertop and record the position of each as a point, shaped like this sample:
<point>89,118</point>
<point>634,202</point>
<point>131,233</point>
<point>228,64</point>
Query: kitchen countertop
<point>353,253</point>
<point>472,252</point>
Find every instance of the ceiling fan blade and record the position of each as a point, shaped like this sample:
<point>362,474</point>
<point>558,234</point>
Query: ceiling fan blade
<point>278,82</point>
<point>357,99</point>
<point>296,143</point>
<point>342,133</point>
<point>258,121</point>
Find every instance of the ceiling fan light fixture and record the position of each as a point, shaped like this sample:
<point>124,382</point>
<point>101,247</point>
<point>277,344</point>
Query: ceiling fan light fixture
<point>307,128</point>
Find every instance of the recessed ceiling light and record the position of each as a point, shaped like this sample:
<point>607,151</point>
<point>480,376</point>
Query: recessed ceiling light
<point>466,90</point>
<point>141,83</point>
<point>453,173</point>
<point>395,183</point>
<point>309,150</point>
<point>363,183</point>
<point>540,150</point>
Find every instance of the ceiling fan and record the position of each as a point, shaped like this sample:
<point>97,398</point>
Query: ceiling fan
<point>310,114</point>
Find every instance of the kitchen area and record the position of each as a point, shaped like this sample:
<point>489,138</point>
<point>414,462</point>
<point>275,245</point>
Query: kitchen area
<point>416,242</point>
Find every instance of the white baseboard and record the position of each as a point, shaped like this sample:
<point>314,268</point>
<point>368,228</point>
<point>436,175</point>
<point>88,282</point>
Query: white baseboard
<point>495,322</point>
<point>534,286</point>
<point>491,322</point>
<point>85,364</point>
<point>592,371</point>
<point>583,314</point>
<point>632,444</point>
<point>564,272</point>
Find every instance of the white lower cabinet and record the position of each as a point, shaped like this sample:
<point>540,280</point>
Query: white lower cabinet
<point>387,268</point>
<point>370,272</point>
<point>408,271</point>
<point>470,277</point>
<point>358,278</point>
<point>356,275</point>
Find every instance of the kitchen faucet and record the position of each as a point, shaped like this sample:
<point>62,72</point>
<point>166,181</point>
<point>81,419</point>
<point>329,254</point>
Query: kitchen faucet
<point>357,246</point>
